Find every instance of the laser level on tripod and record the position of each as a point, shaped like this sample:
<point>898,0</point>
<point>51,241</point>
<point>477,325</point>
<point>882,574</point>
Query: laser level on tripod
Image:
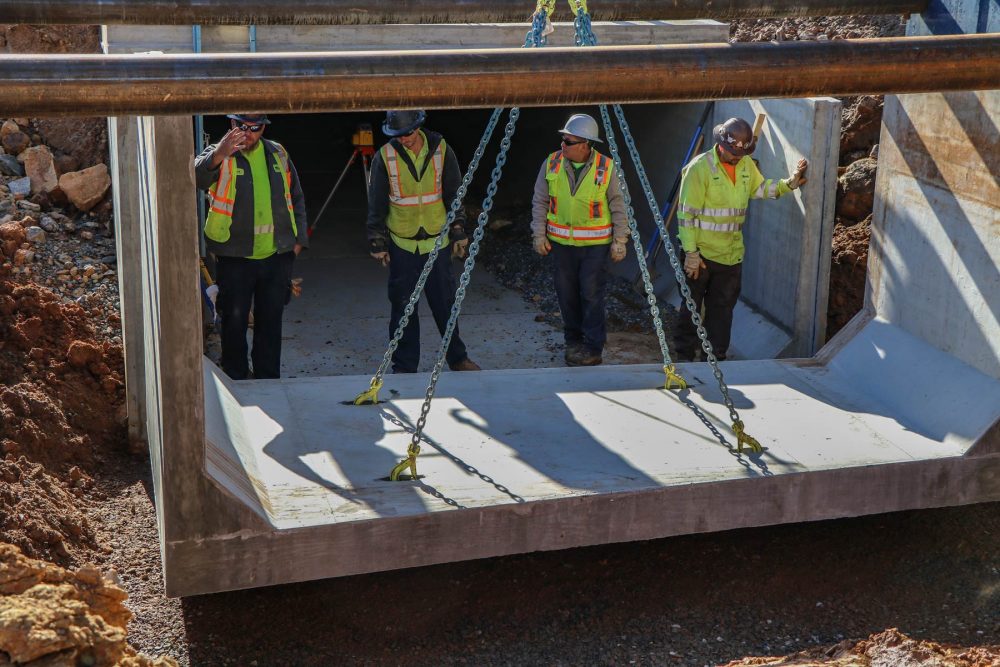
<point>363,141</point>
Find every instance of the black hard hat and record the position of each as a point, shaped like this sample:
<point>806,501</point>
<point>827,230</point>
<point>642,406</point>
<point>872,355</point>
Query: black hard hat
<point>400,123</point>
<point>250,118</point>
<point>736,136</point>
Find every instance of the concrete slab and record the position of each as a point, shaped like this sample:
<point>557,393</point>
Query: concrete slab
<point>504,441</point>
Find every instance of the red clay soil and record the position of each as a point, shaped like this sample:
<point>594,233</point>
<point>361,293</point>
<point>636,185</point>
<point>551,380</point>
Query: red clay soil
<point>848,268</point>
<point>61,416</point>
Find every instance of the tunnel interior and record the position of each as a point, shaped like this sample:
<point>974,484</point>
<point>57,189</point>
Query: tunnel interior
<point>320,146</point>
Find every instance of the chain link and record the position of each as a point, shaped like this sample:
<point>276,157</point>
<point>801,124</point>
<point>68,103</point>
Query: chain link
<point>470,262</point>
<point>438,242</point>
<point>535,37</point>
<point>647,280</point>
<point>674,262</point>
<point>585,37</point>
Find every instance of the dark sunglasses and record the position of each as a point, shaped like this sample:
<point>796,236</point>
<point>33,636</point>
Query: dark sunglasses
<point>569,142</point>
<point>250,128</point>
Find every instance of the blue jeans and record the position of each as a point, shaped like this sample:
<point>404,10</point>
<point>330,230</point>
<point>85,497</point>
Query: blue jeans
<point>404,270</point>
<point>581,285</point>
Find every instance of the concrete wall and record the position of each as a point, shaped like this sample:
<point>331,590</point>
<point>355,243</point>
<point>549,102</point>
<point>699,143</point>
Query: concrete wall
<point>936,232</point>
<point>237,39</point>
<point>786,272</point>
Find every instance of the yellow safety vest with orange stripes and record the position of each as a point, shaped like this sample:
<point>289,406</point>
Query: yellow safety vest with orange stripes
<point>581,218</point>
<point>415,204</point>
<point>223,195</point>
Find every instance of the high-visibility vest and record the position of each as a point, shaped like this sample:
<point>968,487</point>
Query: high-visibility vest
<point>223,195</point>
<point>583,218</point>
<point>415,204</point>
<point>712,208</point>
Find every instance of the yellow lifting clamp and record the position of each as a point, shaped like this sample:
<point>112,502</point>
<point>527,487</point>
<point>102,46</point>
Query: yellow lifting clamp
<point>742,438</point>
<point>370,395</point>
<point>409,462</point>
<point>673,379</point>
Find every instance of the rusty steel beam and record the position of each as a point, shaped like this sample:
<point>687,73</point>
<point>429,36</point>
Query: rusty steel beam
<point>37,85</point>
<point>339,12</point>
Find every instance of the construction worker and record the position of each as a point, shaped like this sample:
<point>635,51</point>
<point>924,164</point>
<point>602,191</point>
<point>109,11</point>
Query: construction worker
<point>716,187</point>
<point>578,215</point>
<point>255,227</point>
<point>414,179</point>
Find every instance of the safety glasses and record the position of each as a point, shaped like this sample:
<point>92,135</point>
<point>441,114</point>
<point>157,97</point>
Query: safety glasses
<point>250,128</point>
<point>566,141</point>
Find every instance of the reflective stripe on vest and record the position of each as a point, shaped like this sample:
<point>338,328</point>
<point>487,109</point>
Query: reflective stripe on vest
<point>397,196</point>
<point>587,233</point>
<point>223,195</point>
<point>584,219</point>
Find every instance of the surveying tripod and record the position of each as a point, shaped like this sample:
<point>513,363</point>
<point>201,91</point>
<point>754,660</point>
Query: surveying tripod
<point>364,145</point>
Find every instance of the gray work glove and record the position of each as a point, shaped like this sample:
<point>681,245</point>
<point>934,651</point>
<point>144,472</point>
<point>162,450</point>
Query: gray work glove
<point>693,264</point>
<point>798,177</point>
<point>618,250</point>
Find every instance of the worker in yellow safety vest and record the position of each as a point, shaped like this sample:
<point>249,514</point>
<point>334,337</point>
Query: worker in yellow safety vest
<point>716,188</point>
<point>256,226</point>
<point>578,215</point>
<point>414,179</point>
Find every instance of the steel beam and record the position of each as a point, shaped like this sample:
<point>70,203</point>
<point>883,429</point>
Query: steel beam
<point>36,85</point>
<point>331,12</point>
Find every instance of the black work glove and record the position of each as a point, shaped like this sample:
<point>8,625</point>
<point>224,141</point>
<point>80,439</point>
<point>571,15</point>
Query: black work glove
<point>377,245</point>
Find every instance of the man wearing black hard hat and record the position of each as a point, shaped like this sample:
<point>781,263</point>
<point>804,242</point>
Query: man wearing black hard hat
<point>716,188</point>
<point>414,179</point>
<point>256,226</point>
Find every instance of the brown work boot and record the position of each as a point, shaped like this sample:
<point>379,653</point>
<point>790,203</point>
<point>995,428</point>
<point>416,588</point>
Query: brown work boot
<point>581,356</point>
<point>465,365</point>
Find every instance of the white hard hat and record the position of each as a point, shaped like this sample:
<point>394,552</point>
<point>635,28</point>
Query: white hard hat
<point>583,126</point>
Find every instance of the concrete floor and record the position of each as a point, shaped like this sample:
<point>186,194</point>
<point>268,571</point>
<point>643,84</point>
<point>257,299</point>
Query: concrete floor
<point>340,324</point>
<point>512,437</point>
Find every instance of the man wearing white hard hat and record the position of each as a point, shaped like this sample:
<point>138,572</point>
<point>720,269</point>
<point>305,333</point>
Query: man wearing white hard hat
<point>578,216</point>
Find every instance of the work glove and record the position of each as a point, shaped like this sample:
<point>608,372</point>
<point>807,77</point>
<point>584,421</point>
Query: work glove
<point>542,246</point>
<point>618,250</point>
<point>798,177</point>
<point>693,264</point>
<point>460,248</point>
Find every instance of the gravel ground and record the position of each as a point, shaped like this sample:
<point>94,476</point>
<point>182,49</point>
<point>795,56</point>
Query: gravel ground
<point>694,600</point>
<point>507,253</point>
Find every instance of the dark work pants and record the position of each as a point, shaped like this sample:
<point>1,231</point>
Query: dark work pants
<point>581,285</point>
<point>718,287</point>
<point>404,270</point>
<point>266,284</point>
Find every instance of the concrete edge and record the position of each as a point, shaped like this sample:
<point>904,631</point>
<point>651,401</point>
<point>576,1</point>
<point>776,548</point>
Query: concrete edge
<point>249,559</point>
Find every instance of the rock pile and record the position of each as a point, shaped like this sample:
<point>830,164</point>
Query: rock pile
<point>56,617</point>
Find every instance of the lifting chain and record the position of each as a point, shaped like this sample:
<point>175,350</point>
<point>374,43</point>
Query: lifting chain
<point>586,37</point>
<point>672,378</point>
<point>370,395</point>
<point>413,450</point>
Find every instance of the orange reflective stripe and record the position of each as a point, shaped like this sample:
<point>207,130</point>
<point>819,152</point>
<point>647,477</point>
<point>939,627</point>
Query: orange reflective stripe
<point>603,171</point>
<point>553,206</point>
<point>596,209</point>
<point>555,162</point>
<point>221,203</point>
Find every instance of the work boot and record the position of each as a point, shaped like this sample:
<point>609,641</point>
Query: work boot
<point>573,353</point>
<point>582,356</point>
<point>590,358</point>
<point>465,365</point>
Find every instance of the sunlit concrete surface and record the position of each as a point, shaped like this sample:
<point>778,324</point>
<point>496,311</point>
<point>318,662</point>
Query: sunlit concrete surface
<point>505,438</point>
